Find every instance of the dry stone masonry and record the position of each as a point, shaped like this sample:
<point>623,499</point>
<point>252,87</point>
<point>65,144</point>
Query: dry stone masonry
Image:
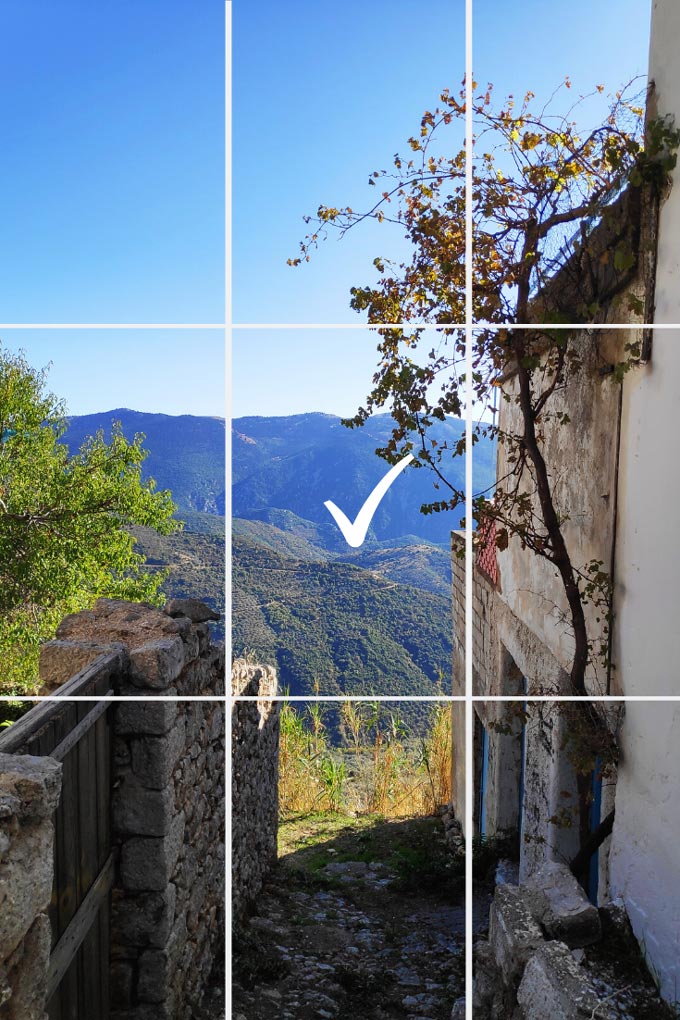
<point>166,651</point>
<point>29,793</point>
<point>255,754</point>
<point>168,818</point>
<point>535,963</point>
<point>168,799</point>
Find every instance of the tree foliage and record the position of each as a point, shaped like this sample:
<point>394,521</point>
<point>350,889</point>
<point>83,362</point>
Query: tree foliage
<point>562,221</point>
<point>64,519</point>
<point>549,199</point>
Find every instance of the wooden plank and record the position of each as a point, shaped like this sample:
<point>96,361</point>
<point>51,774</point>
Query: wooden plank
<point>87,808</point>
<point>103,770</point>
<point>86,915</point>
<point>91,950</point>
<point>68,843</point>
<point>84,683</point>
<point>79,731</point>
<point>105,964</point>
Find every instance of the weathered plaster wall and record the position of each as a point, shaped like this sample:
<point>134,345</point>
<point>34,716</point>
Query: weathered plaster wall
<point>646,836</point>
<point>29,794</point>
<point>255,765</point>
<point>581,458</point>
<point>458,686</point>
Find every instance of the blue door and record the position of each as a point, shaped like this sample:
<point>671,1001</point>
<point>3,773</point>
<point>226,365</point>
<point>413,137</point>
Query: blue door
<point>483,783</point>
<point>595,818</point>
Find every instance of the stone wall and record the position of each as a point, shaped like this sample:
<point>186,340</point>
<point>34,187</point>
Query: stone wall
<point>168,799</point>
<point>168,823</point>
<point>255,757</point>
<point>29,794</point>
<point>166,651</point>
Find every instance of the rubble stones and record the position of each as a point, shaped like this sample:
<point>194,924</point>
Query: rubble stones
<point>29,793</point>
<point>513,933</point>
<point>166,653</point>
<point>196,611</point>
<point>561,906</point>
<point>554,986</point>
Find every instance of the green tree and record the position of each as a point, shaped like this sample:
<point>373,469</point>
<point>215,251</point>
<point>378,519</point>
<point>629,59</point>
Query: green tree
<point>64,520</point>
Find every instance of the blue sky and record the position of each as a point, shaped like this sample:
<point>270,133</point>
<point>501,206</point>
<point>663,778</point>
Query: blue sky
<point>293,372</point>
<point>166,371</point>
<point>111,177</point>
<point>324,94</point>
<point>112,168</point>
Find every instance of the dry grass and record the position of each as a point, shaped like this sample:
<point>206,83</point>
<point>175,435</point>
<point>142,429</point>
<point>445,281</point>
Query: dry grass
<point>378,768</point>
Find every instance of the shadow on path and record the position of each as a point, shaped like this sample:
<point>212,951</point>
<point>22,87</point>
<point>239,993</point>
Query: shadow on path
<point>362,918</point>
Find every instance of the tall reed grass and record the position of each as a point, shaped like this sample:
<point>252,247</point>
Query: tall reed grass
<point>378,767</point>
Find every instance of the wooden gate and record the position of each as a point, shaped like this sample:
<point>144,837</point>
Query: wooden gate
<point>77,733</point>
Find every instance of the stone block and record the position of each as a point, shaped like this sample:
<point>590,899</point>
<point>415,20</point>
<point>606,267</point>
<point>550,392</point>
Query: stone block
<point>29,786</point>
<point>513,933</point>
<point>120,984</point>
<point>154,976</point>
<point>554,986</point>
<point>158,663</point>
<point>61,660</point>
<point>138,811</point>
<point>197,611</point>
<point>26,974</point>
<point>559,903</point>
<point>145,717</point>
<point>144,920</point>
<point>154,758</point>
<point>25,884</point>
<point>147,863</point>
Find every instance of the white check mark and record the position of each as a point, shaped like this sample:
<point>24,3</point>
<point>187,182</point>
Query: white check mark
<point>354,533</point>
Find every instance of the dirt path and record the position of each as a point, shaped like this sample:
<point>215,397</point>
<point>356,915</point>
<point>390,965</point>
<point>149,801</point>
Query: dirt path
<point>361,919</point>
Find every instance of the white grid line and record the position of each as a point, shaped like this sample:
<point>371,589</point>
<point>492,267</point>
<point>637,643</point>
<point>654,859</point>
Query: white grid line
<point>228,314</point>
<point>112,325</point>
<point>469,324</point>
<point>442,698</point>
<point>469,314</point>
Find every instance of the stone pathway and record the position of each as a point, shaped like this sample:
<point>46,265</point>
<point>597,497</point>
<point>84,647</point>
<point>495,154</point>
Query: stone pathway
<point>342,933</point>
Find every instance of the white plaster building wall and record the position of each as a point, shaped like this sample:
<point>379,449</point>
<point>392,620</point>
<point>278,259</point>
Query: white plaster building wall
<point>647,596</point>
<point>644,847</point>
<point>647,638</point>
<point>646,838</point>
<point>664,70</point>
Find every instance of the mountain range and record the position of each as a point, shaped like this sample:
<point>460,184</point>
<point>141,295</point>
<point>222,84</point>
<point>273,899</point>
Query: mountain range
<point>332,619</point>
<point>186,454</point>
<point>376,620</point>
